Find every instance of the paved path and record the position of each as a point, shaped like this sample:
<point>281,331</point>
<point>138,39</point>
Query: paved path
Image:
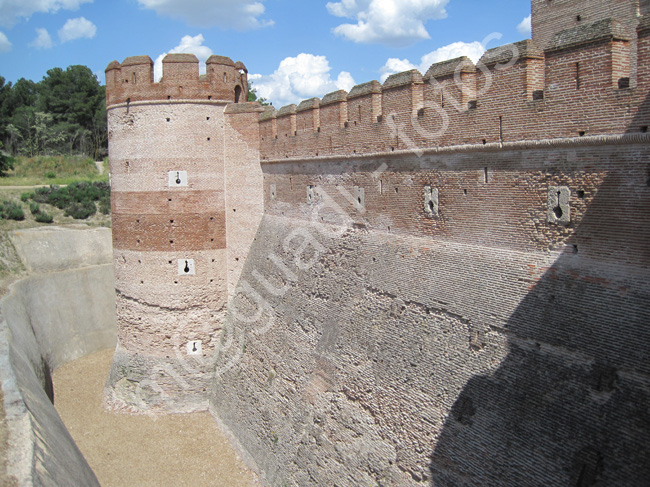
<point>139,451</point>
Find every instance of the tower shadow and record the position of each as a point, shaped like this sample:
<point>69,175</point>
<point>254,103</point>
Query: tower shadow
<point>569,406</point>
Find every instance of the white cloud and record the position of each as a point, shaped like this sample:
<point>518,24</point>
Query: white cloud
<point>395,65</point>
<point>394,23</point>
<point>525,27</point>
<point>5,45</point>
<point>189,44</point>
<point>12,10</point>
<point>299,78</point>
<point>77,29</point>
<point>43,40</point>
<point>240,14</point>
<point>473,50</point>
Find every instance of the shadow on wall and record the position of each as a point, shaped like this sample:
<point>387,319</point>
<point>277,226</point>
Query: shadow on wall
<point>569,404</point>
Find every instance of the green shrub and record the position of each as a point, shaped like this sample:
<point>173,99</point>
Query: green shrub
<point>105,205</point>
<point>76,199</point>
<point>26,196</point>
<point>43,217</point>
<point>42,195</point>
<point>81,210</point>
<point>34,208</point>
<point>11,210</point>
<point>50,175</point>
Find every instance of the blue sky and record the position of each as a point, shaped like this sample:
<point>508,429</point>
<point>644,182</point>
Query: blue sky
<point>293,49</point>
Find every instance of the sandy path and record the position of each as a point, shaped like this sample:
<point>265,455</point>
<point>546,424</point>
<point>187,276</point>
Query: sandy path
<point>126,450</point>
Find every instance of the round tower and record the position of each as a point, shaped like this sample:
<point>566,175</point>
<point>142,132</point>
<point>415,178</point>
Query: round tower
<point>166,144</point>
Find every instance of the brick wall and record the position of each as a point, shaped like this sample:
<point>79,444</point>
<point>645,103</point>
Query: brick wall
<point>169,242</point>
<point>552,16</point>
<point>399,343</point>
<point>583,84</point>
<point>133,79</point>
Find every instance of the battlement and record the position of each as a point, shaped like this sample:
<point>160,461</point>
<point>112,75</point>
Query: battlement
<point>133,80</point>
<point>580,84</point>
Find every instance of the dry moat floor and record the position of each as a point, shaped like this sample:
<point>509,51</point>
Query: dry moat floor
<point>137,451</point>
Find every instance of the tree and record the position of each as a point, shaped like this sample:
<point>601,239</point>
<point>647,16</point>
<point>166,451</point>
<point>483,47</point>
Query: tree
<point>252,96</point>
<point>22,94</point>
<point>6,161</point>
<point>65,113</point>
<point>77,102</point>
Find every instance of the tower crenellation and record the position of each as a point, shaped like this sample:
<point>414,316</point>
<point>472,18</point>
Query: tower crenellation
<point>133,80</point>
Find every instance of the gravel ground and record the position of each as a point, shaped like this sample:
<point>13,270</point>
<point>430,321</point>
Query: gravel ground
<point>138,451</point>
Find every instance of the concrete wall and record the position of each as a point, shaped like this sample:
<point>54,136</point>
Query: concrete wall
<point>61,312</point>
<point>377,340</point>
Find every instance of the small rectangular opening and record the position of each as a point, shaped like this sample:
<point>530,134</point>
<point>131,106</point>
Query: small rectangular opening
<point>577,76</point>
<point>500,128</point>
<point>623,83</point>
<point>472,105</point>
<point>538,95</point>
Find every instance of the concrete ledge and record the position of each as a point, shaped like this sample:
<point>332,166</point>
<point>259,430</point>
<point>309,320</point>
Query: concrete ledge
<point>62,313</point>
<point>48,249</point>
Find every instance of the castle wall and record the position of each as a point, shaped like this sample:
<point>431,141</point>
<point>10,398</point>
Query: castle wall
<point>550,17</point>
<point>582,84</point>
<point>243,185</point>
<point>453,268</point>
<point>382,340</point>
<point>448,284</point>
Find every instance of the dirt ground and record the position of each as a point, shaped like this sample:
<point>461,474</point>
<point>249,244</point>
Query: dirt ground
<point>138,451</point>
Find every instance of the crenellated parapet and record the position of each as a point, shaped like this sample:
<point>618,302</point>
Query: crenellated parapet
<point>133,80</point>
<point>515,92</point>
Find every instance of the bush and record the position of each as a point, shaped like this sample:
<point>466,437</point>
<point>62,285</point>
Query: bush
<point>34,208</point>
<point>10,210</point>
<point>60,199</point>
<point>26,196</point>
<point>77,199</point>
<point>42,195</point>
<point>43,217</point>
<point>81,210</point>
<point>105,205</point>
<point>50,175</point>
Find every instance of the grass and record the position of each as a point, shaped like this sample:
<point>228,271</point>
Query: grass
<point>58,170</point>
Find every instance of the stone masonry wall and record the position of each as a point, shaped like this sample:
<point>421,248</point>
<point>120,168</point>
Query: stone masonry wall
<point>483,339</point>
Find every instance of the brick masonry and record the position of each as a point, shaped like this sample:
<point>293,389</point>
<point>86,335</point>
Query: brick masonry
<point>383,302</point>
